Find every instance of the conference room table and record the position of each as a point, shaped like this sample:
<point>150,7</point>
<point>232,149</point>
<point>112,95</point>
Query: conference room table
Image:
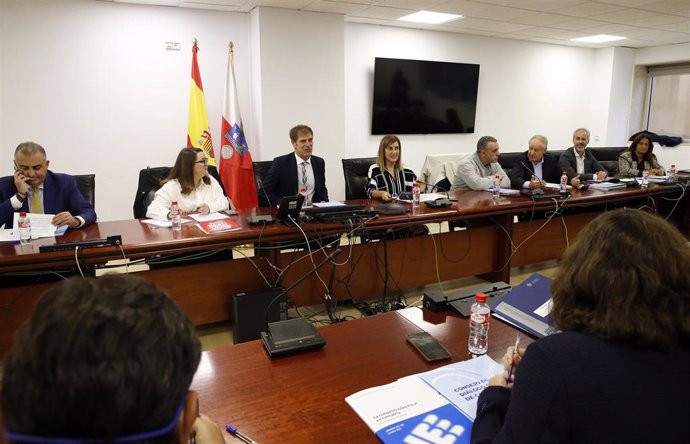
<point>203,286</point>
<point>301,398</point>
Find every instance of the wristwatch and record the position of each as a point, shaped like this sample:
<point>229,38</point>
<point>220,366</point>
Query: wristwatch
<point>20,198</point>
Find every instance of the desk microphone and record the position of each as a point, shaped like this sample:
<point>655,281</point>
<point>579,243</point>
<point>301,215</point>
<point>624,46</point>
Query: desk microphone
<point>536,191</point>
<point>262,219</point>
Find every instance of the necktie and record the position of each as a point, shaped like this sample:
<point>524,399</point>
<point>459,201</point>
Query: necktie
<point>35,204</point>
<point>304,176</point>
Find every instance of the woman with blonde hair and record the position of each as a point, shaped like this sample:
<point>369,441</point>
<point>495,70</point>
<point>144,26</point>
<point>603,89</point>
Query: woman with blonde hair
<point>387,177</point>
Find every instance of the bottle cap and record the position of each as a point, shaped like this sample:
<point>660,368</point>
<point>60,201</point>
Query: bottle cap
<point>22,214</point>
<point>174,202</point>
<point>480,297</point>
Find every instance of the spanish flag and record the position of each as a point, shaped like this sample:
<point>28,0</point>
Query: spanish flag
<point>198,130</point>
<point>236,166</point>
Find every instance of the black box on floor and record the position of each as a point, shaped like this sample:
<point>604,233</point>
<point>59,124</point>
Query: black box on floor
<point>249,312</point>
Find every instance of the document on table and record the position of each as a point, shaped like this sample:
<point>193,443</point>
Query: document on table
<point>9,235</point>
<point>434,406</point>
<point>163,223</point>
<point>207,217</point>
<point>41,225</point>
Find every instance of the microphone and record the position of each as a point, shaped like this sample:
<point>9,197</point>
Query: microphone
<point>532,192</point>
<point>435,186</point>
<point>266,218</point>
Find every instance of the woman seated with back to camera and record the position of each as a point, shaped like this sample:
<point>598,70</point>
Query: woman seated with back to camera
<point>618,372</point>
<point>639,157</point>
<point>387,177</point>
<point>191,186</point>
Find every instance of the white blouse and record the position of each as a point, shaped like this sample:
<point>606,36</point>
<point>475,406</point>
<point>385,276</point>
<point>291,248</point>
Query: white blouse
<point>211,195</point>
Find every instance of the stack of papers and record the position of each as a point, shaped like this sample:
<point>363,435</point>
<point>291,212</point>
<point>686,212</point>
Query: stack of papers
<point>606,185</point>
<point>437,406</point>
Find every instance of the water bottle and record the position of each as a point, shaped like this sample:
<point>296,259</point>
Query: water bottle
<point>24,224</point>
<point>416,191</point>
<point>497,187</point>
<point>672,172</point>
<point>645,179</point>
<point>564,183</point>
<point>175,216</point>
<point>480,315</point>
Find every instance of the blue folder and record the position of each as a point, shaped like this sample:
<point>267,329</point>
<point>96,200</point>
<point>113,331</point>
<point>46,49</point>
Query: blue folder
<point>526,306</point>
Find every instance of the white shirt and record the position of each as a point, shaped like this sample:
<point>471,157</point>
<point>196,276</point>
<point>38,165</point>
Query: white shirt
<point>211,195</point>
<point>580,160</point>
<point>310,182</point>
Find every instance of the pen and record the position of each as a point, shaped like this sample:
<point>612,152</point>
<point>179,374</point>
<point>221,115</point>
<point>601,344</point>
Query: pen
<point>233,431</point>
<point>515,352</point>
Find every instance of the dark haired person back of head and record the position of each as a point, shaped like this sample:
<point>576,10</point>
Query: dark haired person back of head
<point>104,360</point>
<point>618,372</point>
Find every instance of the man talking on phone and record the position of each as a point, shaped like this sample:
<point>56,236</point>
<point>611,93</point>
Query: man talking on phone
<point>35,189</point>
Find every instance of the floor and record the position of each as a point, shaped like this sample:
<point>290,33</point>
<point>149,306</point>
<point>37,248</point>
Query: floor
<point>220,334</point>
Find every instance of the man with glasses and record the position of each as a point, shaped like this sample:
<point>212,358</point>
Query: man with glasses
<point>104,360</point>
<point>35,189</point>
<point>298,172</point>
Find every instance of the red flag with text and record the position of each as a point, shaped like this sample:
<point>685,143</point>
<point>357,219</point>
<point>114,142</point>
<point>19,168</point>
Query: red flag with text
<point>236,166</point>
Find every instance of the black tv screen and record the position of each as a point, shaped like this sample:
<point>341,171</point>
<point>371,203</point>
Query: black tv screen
<point>424,97</point>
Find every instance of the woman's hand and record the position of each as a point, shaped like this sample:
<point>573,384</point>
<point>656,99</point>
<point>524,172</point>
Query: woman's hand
<point>384,196</point>
<point>510,363</point>
<point>207,431</point>
<point>202,209</point>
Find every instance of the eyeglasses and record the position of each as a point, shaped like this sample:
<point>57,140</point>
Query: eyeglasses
<point>204,161</point>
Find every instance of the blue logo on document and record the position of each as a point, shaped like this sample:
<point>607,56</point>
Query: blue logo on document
<point>445,425</point>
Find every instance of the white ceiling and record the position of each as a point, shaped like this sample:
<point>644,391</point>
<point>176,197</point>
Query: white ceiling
<point>644,22</point>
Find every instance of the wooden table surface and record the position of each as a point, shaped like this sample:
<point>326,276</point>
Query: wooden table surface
<point>301,398</point>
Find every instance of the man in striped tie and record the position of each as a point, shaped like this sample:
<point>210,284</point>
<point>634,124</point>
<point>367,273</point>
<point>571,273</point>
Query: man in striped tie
<point>298,172</point>
<point>35,189</point>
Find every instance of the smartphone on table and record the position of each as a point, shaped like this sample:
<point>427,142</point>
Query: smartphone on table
<point>428,346</point>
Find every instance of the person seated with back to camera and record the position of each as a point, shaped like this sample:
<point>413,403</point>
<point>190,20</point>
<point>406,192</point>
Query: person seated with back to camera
<point>191,186</point>
<point>639,157</point>
<point>387,177</point>
<point>104,360</point>
<point>618,372</point>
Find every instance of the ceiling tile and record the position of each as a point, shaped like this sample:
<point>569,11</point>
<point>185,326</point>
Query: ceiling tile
<point>609,28</point>
<point>578,24</point>
<point>669,6</point>
<point>622,16</point>
<point>539,32</point>
<point>678,27</point>
<point>544,5</point>
<point>379,12</point>
<point>542,19</point>
<point>420,5</point>
<point>587,9</point>
<point>653,19</point>
<point>334,7</point>
<point>469,9</point>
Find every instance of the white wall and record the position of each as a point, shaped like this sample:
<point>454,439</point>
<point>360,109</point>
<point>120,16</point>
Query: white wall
<point>92,83</point>
<point>524,88</point>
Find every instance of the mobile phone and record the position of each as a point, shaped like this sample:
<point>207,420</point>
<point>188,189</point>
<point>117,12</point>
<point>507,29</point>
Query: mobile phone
<point>428,346</point>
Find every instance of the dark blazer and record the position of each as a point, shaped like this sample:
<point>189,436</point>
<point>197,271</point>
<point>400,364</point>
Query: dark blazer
<point>281,179</point>
<point>568,164</point>
<point>519,174</point>
<point>60,193</point>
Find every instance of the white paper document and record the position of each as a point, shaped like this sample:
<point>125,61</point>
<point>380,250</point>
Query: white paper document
<point>333,203</point>
<point>210,216</point>
<point>163,223</point>
<point>9,235</point>
<point>40,225</point>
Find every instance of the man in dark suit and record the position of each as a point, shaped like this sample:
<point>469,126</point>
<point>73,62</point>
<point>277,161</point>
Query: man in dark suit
<point>535,167</point>
<point>578,162</point>
<point>34,189</point>
<point>298,172</point>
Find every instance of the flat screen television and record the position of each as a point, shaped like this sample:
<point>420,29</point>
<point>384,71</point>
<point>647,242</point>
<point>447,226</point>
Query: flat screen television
<point>424,97</point>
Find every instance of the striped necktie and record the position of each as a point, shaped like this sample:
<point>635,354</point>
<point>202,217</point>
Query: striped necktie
<point>35,204</point>
<point>304,176</point>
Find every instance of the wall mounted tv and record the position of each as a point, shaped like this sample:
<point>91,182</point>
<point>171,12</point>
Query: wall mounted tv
<point>424,97</point>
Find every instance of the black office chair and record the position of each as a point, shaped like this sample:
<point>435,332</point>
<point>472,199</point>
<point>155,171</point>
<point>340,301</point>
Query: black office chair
<point>260,170</point>
<point>87,186</point>
<point>356,173</point>
<point>149,183</point>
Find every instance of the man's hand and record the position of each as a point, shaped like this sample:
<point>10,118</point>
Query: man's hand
<point>601,175</point>
<point>20,182</point>
<point>575,181</point>
<point>65,218</point>
<point>534,183</point>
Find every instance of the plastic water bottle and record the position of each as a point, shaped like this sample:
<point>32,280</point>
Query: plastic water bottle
<point>24,224</point>
<point>175,216</point>
<point>480,315</point>
<point>416,191</point>
<point>645,179</point>
<point>672,172</point>
<point>497,187</point>
<point>564,183</point>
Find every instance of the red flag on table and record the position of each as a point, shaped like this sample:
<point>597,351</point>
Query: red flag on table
<point>236,166</point>
<point>198,130</point>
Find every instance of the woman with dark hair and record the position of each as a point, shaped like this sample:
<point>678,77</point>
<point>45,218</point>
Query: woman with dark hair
<point>191,186</point>
<point>639,157</point>
<point>387,177</point>
<point>618,372</point>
